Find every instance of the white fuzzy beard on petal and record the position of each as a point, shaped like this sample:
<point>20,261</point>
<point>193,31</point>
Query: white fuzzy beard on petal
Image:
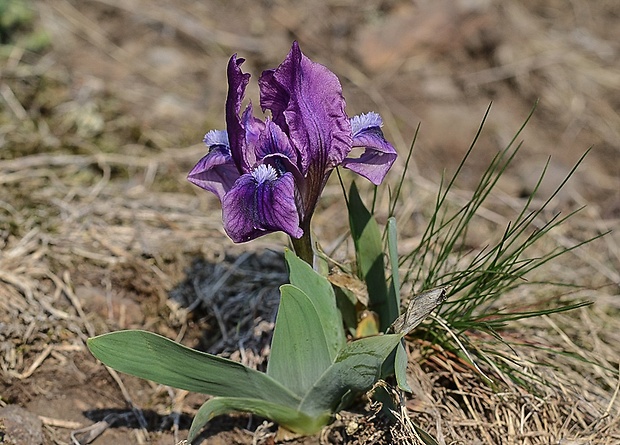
<point>365,121</point>
<point>264,173</point>
<point>216,137</point>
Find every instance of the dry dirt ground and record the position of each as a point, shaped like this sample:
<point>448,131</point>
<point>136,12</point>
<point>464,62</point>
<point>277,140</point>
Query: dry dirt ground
<point>100,231</point>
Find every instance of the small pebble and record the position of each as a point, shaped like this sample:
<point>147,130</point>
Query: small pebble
<point>19,426</point>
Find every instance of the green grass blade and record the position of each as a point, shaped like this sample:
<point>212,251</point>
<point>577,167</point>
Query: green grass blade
<point>285,416</point>
<point>394,199</point>
<point>400,357</point>
<point>299,352</point>
<point>321,293</point>
<point>426,438</point>
<point>153,357</point>
<point>392,242</point>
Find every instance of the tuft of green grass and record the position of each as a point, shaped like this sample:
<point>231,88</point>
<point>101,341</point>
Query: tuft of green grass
<point>478,279</point>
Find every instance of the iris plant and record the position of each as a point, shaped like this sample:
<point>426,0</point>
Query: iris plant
<point>269,174</point>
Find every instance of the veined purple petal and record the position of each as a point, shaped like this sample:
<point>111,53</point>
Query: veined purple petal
<point>274,141</point>
<point>273,97</point>
<point>216,171</point>
<point>378,156</point>
<point>305,99</point>
<point>259,203</point>
<point>253,129</point>
<point>283,164</point>
<point>237,82</point>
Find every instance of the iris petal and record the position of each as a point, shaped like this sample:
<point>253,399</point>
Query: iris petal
<point>274,141</point>
<point>253,129</point>
<point>237,82</point>
<point>378,156</point>
<point>216,171</point>
<point>305,99</point>
<point>259,204</point>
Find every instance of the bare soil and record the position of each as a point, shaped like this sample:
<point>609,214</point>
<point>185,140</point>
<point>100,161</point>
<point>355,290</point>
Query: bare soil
<point>100,231</point>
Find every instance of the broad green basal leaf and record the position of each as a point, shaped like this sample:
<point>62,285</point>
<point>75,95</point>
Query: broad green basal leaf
<point>356,369</point>
<point>400,367</point>
<point>299,352</point>
<point>286,417</point>
<point>321,294</point>
<point>153,357</point>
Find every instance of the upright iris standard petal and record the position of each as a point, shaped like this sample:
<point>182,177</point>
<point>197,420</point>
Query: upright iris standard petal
<point>305,99</point>
<point>378,155</point>
<point>259,203</point>
<point>216,171</point>
<point>237,82</point>
<point>253,129</point>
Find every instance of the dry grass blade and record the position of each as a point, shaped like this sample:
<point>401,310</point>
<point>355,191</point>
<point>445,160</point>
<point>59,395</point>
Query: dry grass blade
<point>420,306</point>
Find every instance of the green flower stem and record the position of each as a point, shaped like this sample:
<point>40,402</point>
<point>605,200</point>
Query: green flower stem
<point>303,246</point>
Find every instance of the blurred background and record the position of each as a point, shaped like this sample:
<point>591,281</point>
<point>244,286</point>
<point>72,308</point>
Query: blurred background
<point>161,66</point>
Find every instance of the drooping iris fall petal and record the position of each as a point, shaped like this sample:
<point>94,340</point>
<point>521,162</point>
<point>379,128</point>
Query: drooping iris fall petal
<point>216,171</point>
<point>261,203</point>
<point>378,155</point>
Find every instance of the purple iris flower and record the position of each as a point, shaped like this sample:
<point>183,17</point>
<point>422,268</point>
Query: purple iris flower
<point>269,174</point>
